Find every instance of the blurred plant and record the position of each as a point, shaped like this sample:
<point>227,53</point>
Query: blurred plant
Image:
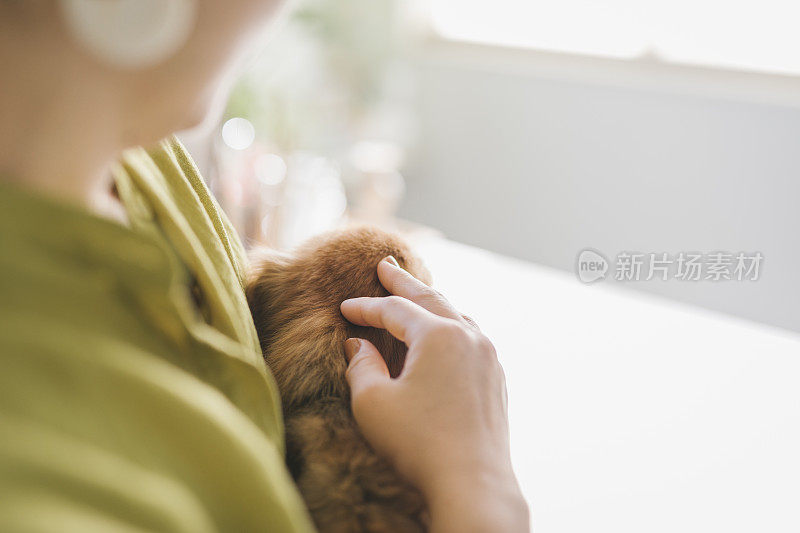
<point>322,74</point>
<point>359,37</point>
<point>325,87</point>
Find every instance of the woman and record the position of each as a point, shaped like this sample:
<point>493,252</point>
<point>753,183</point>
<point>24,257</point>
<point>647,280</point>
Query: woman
<point>132,391</point>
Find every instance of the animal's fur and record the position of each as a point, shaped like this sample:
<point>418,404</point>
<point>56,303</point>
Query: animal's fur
<point>295,304</point>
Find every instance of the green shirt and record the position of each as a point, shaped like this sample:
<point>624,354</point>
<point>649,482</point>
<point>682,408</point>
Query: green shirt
<point>133,395</point>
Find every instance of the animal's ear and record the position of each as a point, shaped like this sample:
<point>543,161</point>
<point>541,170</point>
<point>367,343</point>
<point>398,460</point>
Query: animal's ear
<point>266,260</point>
<point>265,285</point>
<point>417,268</point>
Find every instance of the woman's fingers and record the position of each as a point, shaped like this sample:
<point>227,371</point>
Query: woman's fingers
<point>399,282</point>
<point>402,318</point>
<point>366,367</point>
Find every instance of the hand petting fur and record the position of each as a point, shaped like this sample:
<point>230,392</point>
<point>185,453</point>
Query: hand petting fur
<point>295,304</point>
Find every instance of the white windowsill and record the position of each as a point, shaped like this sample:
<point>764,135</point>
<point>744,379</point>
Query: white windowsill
<point>647,73</point>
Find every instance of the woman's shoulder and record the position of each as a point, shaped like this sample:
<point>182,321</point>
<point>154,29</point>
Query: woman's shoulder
<point>173,184</point>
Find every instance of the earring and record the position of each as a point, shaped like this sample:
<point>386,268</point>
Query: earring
<point>130,33</point>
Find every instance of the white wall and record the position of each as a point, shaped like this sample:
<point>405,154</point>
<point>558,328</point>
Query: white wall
<point>540,166</point>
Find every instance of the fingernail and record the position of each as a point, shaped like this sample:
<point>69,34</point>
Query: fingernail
<point>351,347</point>
<point>392,261</point>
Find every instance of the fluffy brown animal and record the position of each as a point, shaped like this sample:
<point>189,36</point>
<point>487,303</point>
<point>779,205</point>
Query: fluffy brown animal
<point>295,304</point>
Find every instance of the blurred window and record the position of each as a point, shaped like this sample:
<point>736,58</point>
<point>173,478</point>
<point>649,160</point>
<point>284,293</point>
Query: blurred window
<point>735,34</point>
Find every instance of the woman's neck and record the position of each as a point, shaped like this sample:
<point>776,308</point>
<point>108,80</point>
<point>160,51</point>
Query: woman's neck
<point>59,133</point>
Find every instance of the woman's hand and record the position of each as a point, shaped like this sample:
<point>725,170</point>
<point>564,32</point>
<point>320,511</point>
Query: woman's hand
<point>443,422</point>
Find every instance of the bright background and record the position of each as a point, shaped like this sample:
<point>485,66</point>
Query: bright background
<point>534,129</point>
<point>528,131</point>
<point>757,36</point>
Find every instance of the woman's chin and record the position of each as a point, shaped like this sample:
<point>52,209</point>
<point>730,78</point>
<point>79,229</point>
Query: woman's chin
<point>201,122</point>
<point>204,116</point>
